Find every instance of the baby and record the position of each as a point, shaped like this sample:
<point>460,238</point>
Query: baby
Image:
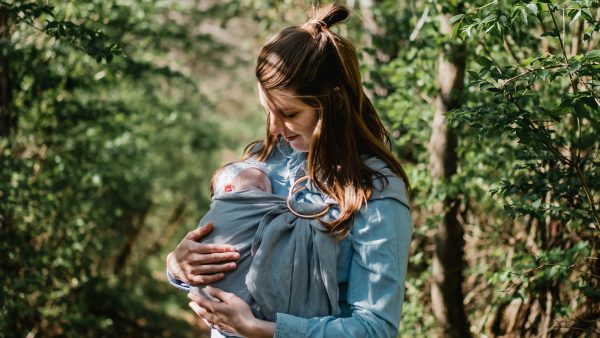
<point>252,179</point>
<point>287,258</point>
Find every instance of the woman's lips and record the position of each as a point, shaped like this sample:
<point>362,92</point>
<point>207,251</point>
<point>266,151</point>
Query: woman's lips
<point>291,138</point>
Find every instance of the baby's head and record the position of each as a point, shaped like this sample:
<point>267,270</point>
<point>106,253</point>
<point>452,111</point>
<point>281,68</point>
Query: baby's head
<point>236,176</point>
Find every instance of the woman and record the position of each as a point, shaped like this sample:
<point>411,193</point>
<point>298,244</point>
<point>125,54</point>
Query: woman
<point>320,124</point>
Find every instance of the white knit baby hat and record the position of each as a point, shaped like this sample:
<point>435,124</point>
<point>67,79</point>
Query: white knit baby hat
<point>232,170</point>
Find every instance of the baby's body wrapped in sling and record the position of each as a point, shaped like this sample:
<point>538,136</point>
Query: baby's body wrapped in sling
<point>288,263</point>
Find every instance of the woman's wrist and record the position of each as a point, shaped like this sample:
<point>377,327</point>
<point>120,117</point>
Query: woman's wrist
<point>257,328</point>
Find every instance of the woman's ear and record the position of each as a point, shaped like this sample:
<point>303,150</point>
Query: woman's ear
<point>228,188</point>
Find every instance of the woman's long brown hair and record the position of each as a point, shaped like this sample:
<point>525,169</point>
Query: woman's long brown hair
<point>320,68</point>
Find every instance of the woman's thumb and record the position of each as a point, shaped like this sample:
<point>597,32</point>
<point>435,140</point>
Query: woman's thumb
<point>197,234</point>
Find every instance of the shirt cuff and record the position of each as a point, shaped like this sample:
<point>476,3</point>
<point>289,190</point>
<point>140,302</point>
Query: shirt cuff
<point>176,282</point>
<point>290,326</point>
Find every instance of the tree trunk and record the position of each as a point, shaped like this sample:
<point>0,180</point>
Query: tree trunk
<point>447,278</point>
<point>135,221</point>
<point>8,119</point>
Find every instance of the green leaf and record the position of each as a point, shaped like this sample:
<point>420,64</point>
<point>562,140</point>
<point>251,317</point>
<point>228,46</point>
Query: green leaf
<point>592,56</point>
<point>468,30</point>
<point>455,29</point>
<point>575,17</point>
<point>483,61</point>
<point>588,17</point>
<point>533,8</point>
<point>529,61</point>
<point>585,106</point>
<point>456,18</point>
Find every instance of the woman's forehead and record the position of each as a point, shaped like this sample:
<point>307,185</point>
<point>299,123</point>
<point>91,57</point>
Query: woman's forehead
<point>279,100</point>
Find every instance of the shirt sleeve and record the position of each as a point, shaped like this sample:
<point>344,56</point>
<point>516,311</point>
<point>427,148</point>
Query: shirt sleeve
<point>380,239</point>
<point>181,285</point>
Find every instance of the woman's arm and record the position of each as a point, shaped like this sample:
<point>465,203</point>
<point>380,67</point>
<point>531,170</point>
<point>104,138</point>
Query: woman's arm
<point>380,239</point>
<point>198,263</point>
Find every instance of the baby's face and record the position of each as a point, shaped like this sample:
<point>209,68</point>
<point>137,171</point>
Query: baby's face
<point>250,179</point>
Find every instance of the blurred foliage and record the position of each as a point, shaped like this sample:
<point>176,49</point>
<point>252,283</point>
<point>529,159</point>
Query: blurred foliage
<point>528,158</point>
<point>106,156</point>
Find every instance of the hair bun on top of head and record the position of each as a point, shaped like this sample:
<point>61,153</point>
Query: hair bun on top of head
<point>327,16</point>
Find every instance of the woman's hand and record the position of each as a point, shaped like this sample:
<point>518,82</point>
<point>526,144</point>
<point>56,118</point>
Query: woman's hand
<point>231,314</point>
<point>199,263</point>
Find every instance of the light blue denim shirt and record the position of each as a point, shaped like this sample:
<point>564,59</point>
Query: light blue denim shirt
<point>371,267</point>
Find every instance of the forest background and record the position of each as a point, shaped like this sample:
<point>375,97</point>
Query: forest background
<point>113,115</point>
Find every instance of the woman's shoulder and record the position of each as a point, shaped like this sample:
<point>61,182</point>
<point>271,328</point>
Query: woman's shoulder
<point>387,184</point>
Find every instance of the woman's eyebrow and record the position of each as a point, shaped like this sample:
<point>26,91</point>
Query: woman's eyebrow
<point>282,109</point>
<point>292,110</point>
<point>287,112</point>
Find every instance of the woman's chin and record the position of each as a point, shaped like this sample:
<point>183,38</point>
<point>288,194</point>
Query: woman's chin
<point>301,148</point>
<point>297,145</point>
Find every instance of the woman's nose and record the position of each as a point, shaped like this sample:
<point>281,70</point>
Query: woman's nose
<point>275,124</point>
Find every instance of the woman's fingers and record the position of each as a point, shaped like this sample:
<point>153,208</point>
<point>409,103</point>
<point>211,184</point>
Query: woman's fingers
<point>202,312</point>
<point>207,273</point>
<point>207,317</point>
<point>209,269</point>
<point>197,309</point>
<point>203,248</point>
<point>199,263</point>
<point>206,279</point>
<point>196,297</point>
<point>231,313</point>
<point>202,302</point>
<point>209,308</point>
<point>197,234</point>
<point>212,258</point>
<point>218,293</point>
<point>206,322</point>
